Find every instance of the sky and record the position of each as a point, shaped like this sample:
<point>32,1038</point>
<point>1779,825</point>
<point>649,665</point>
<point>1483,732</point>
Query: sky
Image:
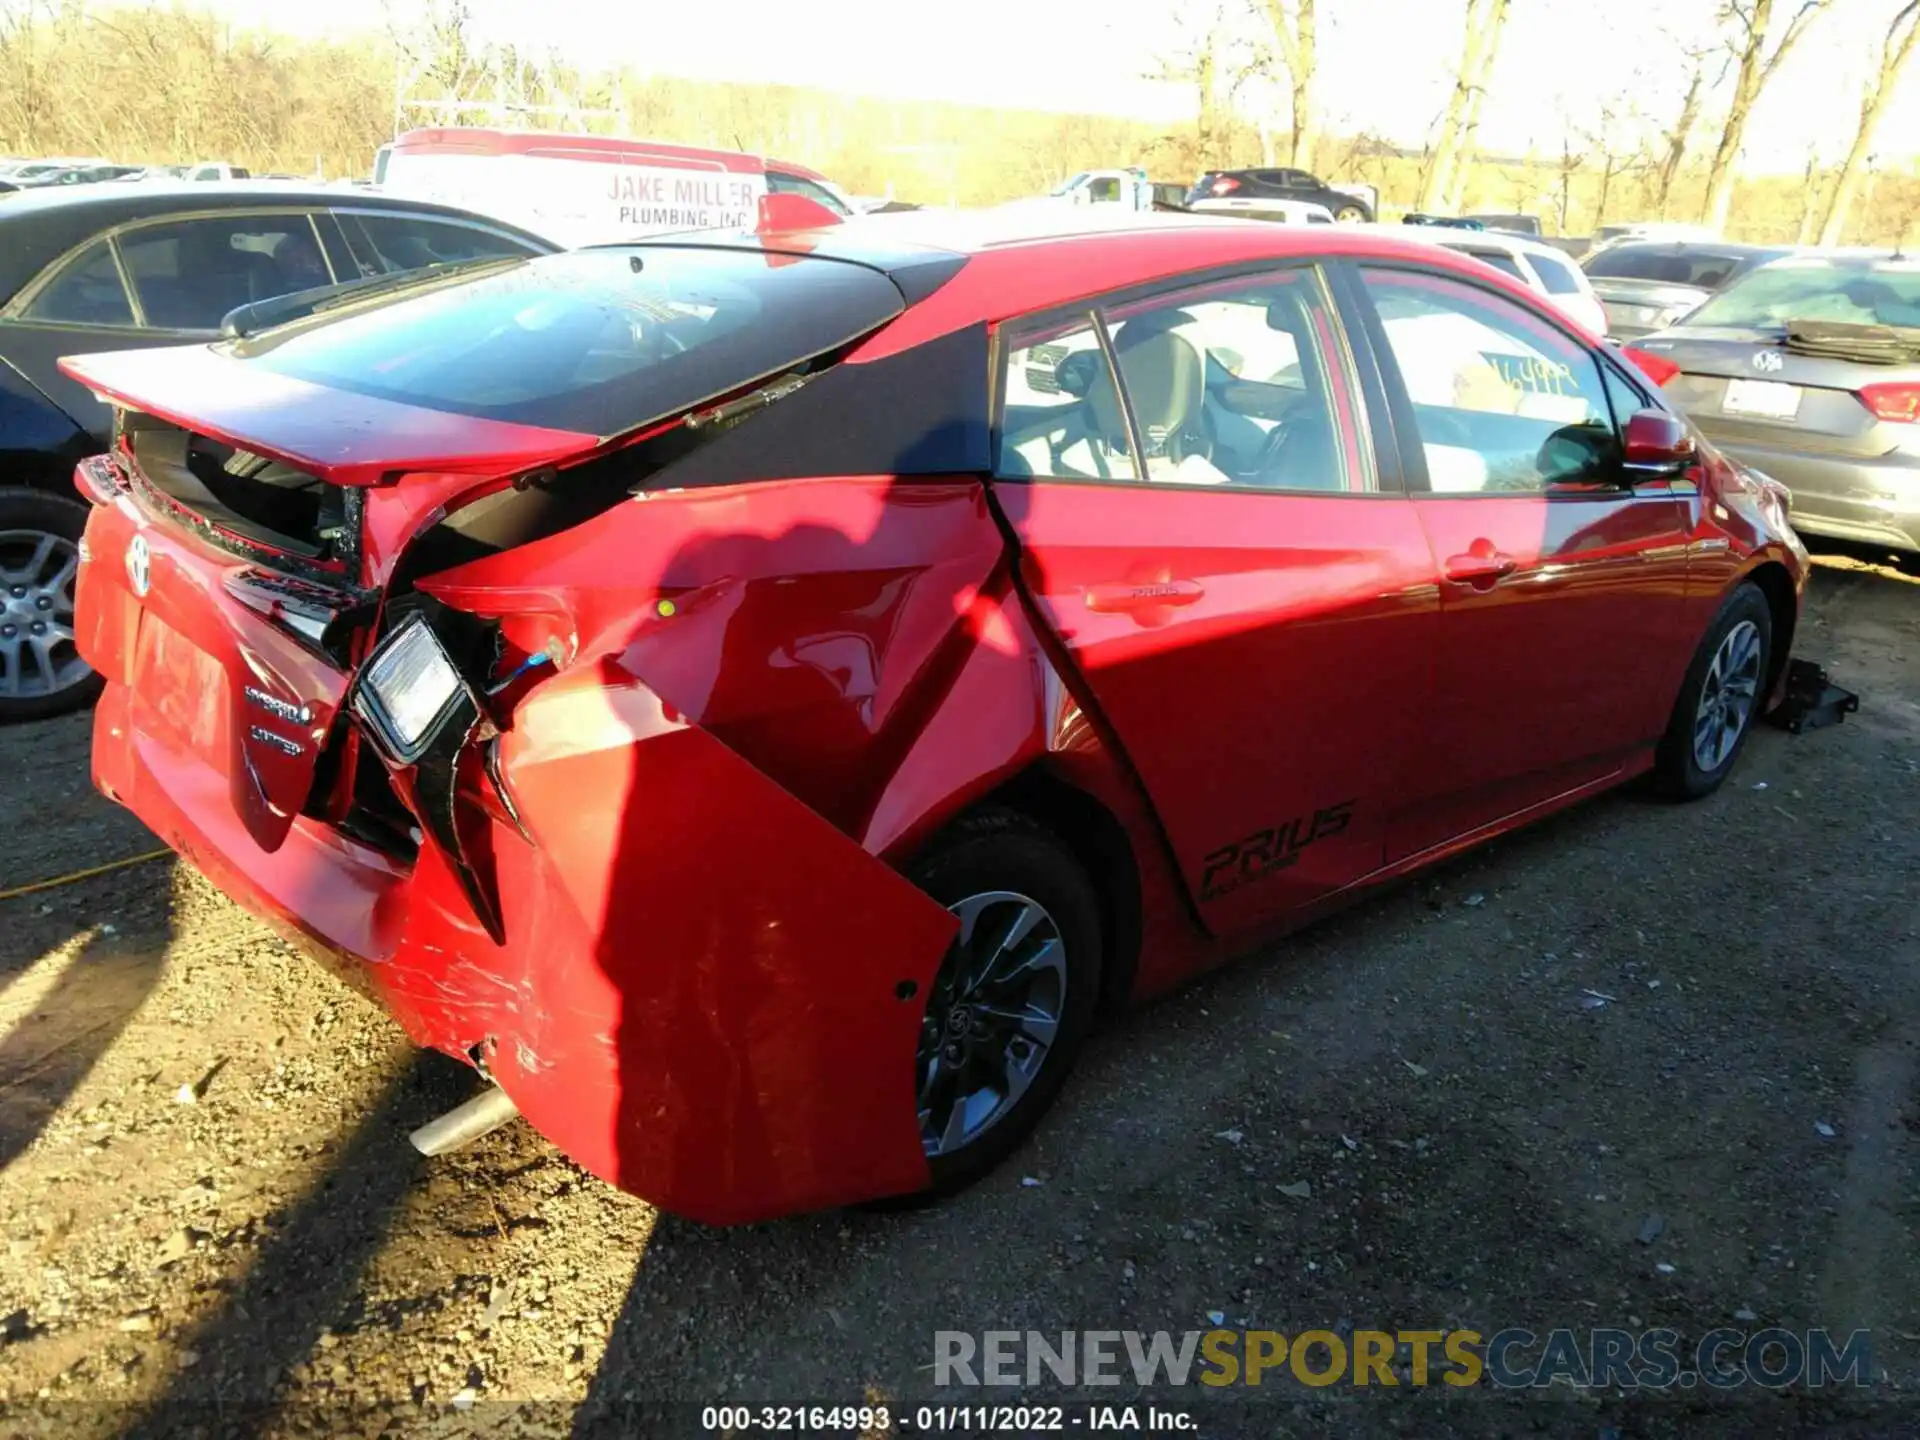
<point>1559,58</point>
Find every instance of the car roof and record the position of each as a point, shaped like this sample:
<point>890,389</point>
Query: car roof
<point>38,226</point>
<point>1656,246</point>
<point>1026,258</point>
<point>1453,238</point>
<point>565,145</point>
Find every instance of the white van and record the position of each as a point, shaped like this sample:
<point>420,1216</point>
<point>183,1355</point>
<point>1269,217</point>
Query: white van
<point>582,189</point>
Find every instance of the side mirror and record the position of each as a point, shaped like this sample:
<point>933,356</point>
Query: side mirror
<point>1659,446</point>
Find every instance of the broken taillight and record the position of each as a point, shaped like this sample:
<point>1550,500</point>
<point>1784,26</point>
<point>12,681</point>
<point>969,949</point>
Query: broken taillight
<point>1656,368</point>
<point>1896,400</point>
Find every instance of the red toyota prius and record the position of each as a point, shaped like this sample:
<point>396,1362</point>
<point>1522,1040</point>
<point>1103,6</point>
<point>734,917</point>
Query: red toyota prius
<point>757,699</point>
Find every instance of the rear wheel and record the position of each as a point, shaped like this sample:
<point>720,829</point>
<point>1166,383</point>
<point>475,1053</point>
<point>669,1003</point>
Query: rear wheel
<point>41,673</point>
<point>1009,1011</point>
<point>1720,700</point>
<point>1350,215</point>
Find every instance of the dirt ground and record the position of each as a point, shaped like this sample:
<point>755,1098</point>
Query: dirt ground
<point>213,1220</point>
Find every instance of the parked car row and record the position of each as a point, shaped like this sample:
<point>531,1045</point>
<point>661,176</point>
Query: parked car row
<point>113,267</point>
<point>473,626</point>
<point>18,175</point>
<point>1806,366</point>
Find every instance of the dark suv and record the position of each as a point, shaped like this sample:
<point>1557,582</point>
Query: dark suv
<point>1279,185</point>
<point>86,268</point>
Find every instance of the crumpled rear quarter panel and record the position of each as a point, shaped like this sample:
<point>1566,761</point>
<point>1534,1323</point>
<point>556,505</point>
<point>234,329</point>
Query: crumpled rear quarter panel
<point>710,996</point>
<point>711,992</point>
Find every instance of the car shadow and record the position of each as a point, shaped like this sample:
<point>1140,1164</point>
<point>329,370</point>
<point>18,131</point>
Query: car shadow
<point>103,936</point>
<point>304,1278</point>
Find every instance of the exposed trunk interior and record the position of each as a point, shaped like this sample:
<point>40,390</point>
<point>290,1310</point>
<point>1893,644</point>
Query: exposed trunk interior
<point>249,496</point>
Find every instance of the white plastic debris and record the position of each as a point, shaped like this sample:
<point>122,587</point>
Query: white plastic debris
<point>1475,900</point>
<point>1298,1190</point>
<point>1030,1181</point>
<point>1664,1268</point>
<point>1823,1130</point>
<point>1418,1072</point>
<point>1216,1317</point>
<point>1232,1137</point>
<point>186,1095</point>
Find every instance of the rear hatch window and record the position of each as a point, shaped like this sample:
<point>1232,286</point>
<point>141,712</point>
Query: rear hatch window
<point>598,341</point>
<point>1789,290</point>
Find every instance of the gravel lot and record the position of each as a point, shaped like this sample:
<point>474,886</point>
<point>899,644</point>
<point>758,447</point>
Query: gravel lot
<point>213,1219</point>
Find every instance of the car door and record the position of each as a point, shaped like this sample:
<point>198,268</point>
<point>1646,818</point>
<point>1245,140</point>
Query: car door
<point>1201,522</point>
<point>1562,597</point>
<point>163,282</point>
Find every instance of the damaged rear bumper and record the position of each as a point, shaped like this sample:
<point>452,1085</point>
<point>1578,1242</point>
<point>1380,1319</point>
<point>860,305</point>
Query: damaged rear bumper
<point>706,994</point>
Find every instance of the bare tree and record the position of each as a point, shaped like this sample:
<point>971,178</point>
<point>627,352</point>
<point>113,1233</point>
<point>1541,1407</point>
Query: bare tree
<point>1810,188</point>
<point>1680,134</point>
<point>1748,25</point>
<point>1895,51</point>
<point>1479,45</point>
<point>1291,22</point>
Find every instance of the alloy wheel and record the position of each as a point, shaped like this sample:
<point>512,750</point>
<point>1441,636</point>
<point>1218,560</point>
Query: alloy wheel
<point>1727,697</point>
<point>37,654</point>
<point>992,1018</point>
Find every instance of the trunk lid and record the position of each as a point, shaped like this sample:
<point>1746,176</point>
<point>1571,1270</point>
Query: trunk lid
<point>1753,384</point>
<point>341,438</point>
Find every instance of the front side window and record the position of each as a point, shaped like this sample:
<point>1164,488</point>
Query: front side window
<point>87,292</point>
<point>1243,383</point>
<point>189,273</point>
<point>1503,401</point>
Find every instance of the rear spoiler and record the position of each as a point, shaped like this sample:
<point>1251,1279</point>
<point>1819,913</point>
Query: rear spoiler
<point>333,435</point>
<point>1863,344</point>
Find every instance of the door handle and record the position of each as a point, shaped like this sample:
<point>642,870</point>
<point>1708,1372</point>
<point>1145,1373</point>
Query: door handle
<point>1480,568</point>
<point>1119,597</point>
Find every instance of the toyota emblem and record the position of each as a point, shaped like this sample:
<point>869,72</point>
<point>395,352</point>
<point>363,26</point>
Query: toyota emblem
<point>1769,361</point>
<point>139,565</point>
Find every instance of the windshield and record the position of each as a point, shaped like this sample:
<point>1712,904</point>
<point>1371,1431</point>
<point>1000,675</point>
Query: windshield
<point>594,341</point>
<point>1882,294</point>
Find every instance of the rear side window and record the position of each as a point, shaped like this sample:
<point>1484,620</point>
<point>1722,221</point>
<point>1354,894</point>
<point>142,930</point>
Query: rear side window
<point>384,244</point>
<point>595,341</point>
<point>190,273</point>
<point>1243,383</point>
<point>1556,275</point>
<point>87,292</point>
<point>1501,261</point>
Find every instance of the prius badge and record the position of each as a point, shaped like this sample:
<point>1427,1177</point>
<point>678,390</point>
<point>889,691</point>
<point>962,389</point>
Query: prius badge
<point>139,565</point>
<point>1770,361</point>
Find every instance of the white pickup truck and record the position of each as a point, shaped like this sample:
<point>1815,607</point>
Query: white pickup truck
<point>1121,189</point>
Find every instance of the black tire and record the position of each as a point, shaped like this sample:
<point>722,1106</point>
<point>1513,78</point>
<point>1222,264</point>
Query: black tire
<point>1352,215</point>
<point>1679,772</point>
<point>26,513</point>
<point>1001,851</point>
